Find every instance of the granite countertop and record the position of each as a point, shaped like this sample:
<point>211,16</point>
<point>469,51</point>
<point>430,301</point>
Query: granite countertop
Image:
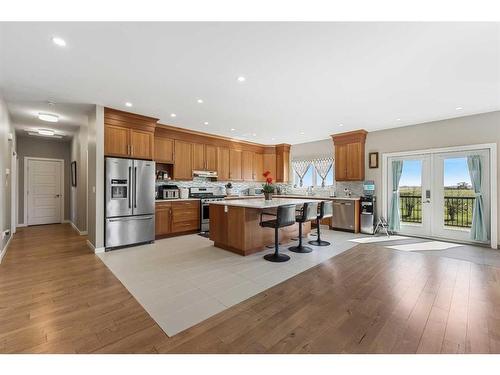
<point>262,203</point>
<point>177,199</point>
<point>313,197</point>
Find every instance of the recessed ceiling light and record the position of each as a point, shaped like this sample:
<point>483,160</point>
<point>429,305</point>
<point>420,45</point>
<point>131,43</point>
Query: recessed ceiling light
<point>46,132</point>
<point>272,139</point>
<point>173,115</point>
<point>232,129</point>
<point>128,104</point>
<point>59,41</point>
<point>241,79</point>
<point>341,124</point>
<point>206,122</point>
<point>302,133</point>
<point>48,117</point>
<point>398,119</point>
<point>459,108</point>
<point>254,135</point>
<point>200,101</point>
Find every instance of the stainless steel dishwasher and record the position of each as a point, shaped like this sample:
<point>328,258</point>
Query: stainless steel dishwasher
<point>343,214</point>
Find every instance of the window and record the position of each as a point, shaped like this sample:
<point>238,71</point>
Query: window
<point>311,175</point>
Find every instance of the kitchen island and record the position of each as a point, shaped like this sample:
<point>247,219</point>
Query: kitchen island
<point>234,224</point>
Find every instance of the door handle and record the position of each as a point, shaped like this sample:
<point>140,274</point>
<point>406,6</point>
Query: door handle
<point>135,187</point>
<point>130,184</point>
<point>58,195</point>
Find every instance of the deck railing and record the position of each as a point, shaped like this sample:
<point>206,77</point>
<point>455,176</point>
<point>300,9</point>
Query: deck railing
<point>457,210</point>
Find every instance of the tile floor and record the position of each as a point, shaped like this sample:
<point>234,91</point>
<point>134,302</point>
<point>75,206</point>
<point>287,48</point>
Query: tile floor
<point>182,281</point>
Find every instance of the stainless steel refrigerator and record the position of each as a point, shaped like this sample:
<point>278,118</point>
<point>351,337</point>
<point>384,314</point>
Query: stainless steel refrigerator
<point>130,202</point>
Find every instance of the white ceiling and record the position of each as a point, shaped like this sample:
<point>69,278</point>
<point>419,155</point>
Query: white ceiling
<point>301,77</point>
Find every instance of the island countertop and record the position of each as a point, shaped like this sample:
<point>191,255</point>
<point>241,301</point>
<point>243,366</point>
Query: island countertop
<point>261,203</point>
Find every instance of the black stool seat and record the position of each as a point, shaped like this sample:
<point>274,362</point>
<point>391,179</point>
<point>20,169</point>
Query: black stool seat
<point>309,212</point>
<point>325,211</point>
<point>285,216</point>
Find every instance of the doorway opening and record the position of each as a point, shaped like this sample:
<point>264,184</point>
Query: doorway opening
<point>437,196</point>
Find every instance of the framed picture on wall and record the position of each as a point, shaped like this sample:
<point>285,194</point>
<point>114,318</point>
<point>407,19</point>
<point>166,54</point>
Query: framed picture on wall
<point>373,159</point>
<point>73,173</point>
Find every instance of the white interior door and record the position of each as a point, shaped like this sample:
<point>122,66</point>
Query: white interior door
<point>44,192</point>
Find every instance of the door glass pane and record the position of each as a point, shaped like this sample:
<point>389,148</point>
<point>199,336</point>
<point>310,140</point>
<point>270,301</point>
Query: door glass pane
<point>410,192</point>
<point>458,194</point>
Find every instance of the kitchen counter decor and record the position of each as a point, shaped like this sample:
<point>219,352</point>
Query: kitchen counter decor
<point>268,187</point>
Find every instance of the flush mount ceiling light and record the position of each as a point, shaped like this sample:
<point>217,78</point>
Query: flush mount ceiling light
<point>241,79</point>
<point>173,115</point>
<point>200,101</point>
<point>459,108</point>
<point>59,41</point>
<point>48,117</point>
<point>47,132</point>
<point>128,104</point>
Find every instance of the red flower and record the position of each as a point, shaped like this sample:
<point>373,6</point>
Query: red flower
<point>269,180</point>
<point>266,173</point>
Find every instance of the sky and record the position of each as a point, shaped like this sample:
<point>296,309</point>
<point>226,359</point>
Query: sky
<point>455,171</point>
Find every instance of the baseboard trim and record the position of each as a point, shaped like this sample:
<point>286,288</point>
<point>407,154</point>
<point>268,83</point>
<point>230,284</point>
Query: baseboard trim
<point>4,250</point>
<point>80,232</point>
<point>21,225</point>
<point>96,250</point>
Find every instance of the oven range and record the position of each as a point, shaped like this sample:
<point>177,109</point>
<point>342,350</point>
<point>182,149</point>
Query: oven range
<point>206,195</point>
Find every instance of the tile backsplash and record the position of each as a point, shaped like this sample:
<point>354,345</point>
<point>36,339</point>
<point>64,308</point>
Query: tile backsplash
<point>241,188</point>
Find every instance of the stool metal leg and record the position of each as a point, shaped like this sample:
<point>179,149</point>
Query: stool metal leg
<point>276,256</point>
<point>299,248</point>
<point>319,242</point>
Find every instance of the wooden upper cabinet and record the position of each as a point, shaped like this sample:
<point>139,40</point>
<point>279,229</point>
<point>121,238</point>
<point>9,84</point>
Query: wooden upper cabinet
<point>235,165</point>
<point>116,141</point>
<point>282,162</point>
<point>128,135</point>
<point>223,163</point>
<point>141,144</point>
<point>258,167</point>
<point>247,165</point>
<point>350,155</point>
<point>198,157</point>
<point>211,158</point>
<point>183,160</point>
<point>164,150</point>
<point>270,164</point>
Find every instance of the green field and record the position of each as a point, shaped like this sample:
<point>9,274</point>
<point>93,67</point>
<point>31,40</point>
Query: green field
<point>458,206</point>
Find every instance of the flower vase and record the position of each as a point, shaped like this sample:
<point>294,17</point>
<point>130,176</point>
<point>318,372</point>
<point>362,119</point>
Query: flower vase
<point>268,196</point>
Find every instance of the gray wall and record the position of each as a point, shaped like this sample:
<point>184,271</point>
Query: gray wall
<point>79,193</point>
<point>43,148</point>
<point>95,183</point>
<point>6,149</point>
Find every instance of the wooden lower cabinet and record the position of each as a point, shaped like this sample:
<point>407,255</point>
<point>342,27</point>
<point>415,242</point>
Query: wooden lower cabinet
<point>176,217</point>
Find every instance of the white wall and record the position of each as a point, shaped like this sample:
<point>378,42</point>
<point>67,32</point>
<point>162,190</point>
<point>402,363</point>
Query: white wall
<point>95,183</point>
<point>6,149</point>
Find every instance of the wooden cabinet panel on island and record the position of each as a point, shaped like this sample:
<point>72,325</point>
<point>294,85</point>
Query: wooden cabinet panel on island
<point>247,165</point>
<point>235,165</point>
<point>350,155</point>
<point>164,150</point>
<point>183,160</point>
<point>223,163</point>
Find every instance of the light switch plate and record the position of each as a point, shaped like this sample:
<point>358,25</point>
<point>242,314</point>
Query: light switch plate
<point>7,171</point>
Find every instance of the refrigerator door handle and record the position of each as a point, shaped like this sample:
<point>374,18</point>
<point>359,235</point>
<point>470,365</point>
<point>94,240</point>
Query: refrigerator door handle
<point>130,219</point>
<point>135,187</point>
<point>130,185</point>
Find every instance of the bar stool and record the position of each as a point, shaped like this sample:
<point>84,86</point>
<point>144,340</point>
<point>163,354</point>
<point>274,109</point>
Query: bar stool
<point>325,210</point>
<point>285,216</point>
<point>309,212</point>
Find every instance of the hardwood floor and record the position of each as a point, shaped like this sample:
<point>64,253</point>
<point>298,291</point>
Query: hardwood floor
<point>58,297</point>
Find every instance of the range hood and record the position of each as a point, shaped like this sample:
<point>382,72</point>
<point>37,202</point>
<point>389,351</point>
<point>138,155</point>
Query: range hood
<point>209,175</point>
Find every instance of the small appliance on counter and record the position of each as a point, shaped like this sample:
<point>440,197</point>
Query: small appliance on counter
<point>368,212</point>
<point>184,193</point>
<point>130,202</point>
<point>206,195</point>
<point>167,192</point>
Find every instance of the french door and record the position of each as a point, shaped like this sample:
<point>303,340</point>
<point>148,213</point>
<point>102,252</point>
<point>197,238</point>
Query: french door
<point>436,198</point>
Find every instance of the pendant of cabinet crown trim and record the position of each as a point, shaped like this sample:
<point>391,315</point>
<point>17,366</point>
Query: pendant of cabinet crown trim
<point>350,155</point>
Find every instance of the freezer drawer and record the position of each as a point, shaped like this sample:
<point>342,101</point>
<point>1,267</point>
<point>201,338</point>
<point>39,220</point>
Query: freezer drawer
<point>122,231</point>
